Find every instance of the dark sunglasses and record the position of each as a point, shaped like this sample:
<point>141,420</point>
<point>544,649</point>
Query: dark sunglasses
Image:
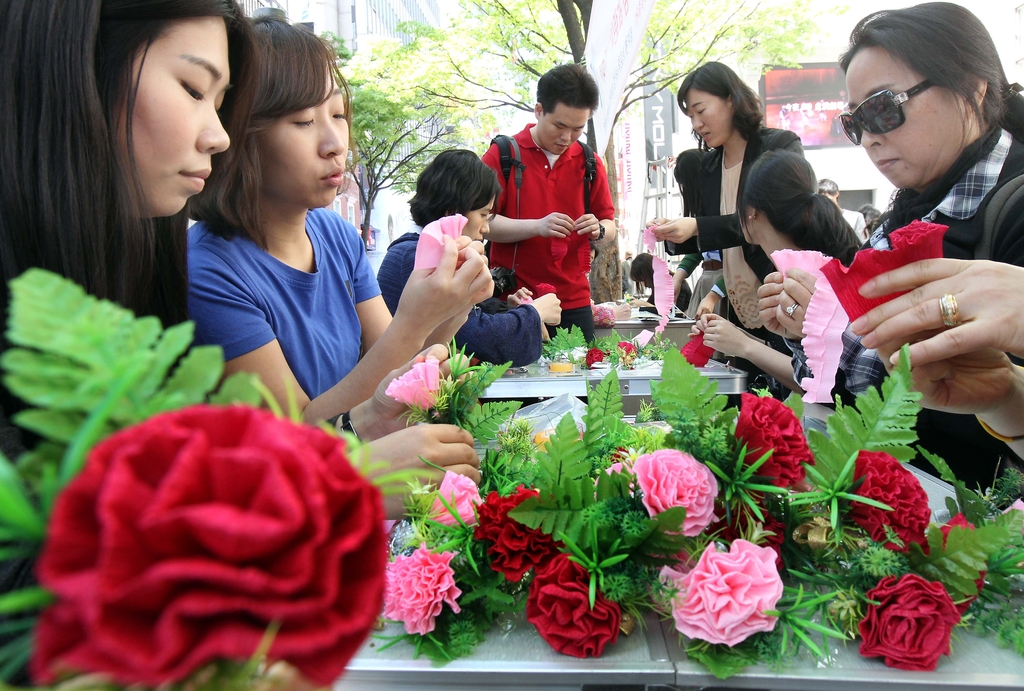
<point>878,113</point>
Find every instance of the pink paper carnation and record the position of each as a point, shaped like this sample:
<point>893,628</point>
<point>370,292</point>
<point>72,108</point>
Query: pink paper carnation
<point>462,494</point>
<point>417,586</point>
<point>418,386</point>
<point>671,478</point>
<point>725,596</point>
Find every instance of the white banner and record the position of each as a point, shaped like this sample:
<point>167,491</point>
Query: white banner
<point>616,31</point>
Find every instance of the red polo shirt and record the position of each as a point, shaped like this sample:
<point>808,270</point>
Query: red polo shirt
<point>564,263</point>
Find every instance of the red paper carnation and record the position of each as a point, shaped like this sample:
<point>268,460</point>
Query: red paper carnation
<point>887,481</point>
<point>911,625</point>
<point>766,424</point>
<point>627,348</point>
<point>912,243</point>
<point>559,606</point>
<point>959,521</point>
<point>544,289</point>
<point>186,536</point>
<point>696,353</point>
<point>516,548</point>
<point>595,355</point>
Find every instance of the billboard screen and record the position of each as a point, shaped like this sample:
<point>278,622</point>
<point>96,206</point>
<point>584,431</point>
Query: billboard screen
<point>807,100</point>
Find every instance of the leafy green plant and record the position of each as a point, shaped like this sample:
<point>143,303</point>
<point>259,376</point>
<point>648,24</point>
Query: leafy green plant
<point>563,343</point>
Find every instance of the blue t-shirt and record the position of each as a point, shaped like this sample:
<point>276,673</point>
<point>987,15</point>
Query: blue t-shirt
<point>242,298</point>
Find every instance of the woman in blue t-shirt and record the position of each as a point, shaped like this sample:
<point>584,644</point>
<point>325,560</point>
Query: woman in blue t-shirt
<point>458,182</point>
<point>283,285</point>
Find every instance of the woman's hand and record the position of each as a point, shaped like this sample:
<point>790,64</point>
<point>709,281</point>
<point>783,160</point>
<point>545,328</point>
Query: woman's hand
<point>381,414</point>
<point>447,446</point>
<point>678,230</point>
<point>433,296</point>
<point>550,308</point>
<point>521,296</point>
<point>989,300</point>
<point>708,304</point>
<point>769,299</point>
<point>724,336</point>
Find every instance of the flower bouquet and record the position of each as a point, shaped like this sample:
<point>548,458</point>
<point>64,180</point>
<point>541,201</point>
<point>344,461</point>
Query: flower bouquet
<point>181,537</point>
<point>757,541</point>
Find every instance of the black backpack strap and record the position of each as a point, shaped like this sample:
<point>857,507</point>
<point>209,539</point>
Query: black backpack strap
<point>509,158</point>
<point>998,207</point>
<point>589,174</point>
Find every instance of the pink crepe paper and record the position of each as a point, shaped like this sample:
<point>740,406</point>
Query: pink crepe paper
<point>643,338</point>
<point>418,386</point>
<point>664,291</point>
<point>430,247</point>
<point>824,323</point>
<point>696,353</point>
<point>912,243</point>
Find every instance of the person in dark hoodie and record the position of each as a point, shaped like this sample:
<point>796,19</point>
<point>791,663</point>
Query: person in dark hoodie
<point>457,182</point>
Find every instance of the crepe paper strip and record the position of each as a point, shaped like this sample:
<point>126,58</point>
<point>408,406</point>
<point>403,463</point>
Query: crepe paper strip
<point>542,289</point>
<point>559,249</point>
<point>825,321</point>
<point>643,338</point>
<point>912,243</point>
<point>430,247</point>
<point>696,353</point>
<point>583,256</point>
<point>664,291</point>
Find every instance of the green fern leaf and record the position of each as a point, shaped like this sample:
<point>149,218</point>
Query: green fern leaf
<point>563,463</point>
<point>484,421</point>
<point>195,377</point>
<point>959,563</point>
<point>546,516</point>
<point>880,422</point>
<point>603,402</point>
<point>239,389</point>
<point>684,391</point>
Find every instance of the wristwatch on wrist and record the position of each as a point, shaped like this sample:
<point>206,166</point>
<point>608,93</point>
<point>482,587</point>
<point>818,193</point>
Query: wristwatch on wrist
<point>600,236</point>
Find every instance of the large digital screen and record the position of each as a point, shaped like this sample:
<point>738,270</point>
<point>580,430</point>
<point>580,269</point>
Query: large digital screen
<point>808,101</point>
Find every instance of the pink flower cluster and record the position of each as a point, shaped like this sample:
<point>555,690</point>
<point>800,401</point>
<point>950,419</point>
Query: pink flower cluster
<point>725,596</point>
<point>417,586</point>
<point>462,494</point>
<point>418,386</point>
<point>671,478</point>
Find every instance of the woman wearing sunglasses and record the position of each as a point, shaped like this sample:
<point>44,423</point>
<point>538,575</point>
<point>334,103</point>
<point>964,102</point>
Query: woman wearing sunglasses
<point>931,106</point>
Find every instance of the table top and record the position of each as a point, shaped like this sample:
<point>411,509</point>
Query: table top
<point>536,381</point>
<point>677,330</point>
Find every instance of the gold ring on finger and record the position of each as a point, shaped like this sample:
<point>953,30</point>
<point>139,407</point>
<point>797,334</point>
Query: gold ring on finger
<point>948,308</point>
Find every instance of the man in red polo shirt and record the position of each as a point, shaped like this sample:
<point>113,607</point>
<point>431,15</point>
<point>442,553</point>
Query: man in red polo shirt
<point>542,231</point>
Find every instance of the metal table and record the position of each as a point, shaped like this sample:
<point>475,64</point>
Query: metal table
<point>678,330</point>
<point>536,381</point>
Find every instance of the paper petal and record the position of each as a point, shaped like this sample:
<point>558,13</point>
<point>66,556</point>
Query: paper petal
<point>664,291</point>
<point>917,241</point>
<point>542,289</point>
<point>418,386</point>
<point>696,353</point>
<point>643,338</point>
<point>824,324</point>
<point>430,247</point>
<point>559,250</point>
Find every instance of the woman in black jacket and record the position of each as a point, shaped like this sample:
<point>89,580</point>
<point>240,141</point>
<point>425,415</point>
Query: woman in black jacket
<point>727,122</point>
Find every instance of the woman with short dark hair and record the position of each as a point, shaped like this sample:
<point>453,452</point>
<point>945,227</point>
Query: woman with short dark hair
<point>458,182</point>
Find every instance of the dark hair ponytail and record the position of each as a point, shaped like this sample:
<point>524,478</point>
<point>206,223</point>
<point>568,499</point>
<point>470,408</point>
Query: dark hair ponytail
<point>781,185</point>
<point>948,45</point>
<point>687,174</point>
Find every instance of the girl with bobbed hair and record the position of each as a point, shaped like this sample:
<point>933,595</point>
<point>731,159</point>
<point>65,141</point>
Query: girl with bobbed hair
<point>781,209</point>
<point>458,182</point>
<point>932,108</point>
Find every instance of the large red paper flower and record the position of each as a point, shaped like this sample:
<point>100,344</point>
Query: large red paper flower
<point>627,348</point>
<point>516,548</point>
<point>559,606</point>
<point>911,625</point>
<point>912,243</point>
<point>186,536</point>
<point>766,424</point>
<point>887,481</point>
